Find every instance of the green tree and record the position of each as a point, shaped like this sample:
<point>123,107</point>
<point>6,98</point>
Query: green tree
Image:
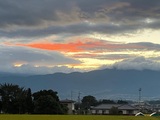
<point>0,106</point>
<point>105,101</point>
<point>52,93</point>
<point>88,101</point>
<point>47,102</point>
<point>47,105</point>
<point>122,102</point>
<point>12,98</point>
<point>113,111</point>
<point>29,102</point>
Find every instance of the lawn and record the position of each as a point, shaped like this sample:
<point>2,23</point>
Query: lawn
<point>74,117</point>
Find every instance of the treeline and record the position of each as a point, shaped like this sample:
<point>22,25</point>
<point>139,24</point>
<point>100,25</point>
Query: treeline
<point>18,100</point>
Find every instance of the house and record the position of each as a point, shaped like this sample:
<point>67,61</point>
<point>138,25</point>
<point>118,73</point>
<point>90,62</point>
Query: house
<point>156,107</point>
<point>144,107</point>
<point>105,109</point>
<point>70,105</point>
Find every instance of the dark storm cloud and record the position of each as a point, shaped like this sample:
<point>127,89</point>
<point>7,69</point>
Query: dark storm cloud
<point>143,3</point>
<point>32,12</point>
<point>31,18</point>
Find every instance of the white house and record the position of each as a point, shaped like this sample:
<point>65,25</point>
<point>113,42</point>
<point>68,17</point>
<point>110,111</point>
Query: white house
<point>70,105</point>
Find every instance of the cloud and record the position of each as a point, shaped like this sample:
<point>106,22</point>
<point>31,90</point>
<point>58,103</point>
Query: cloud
<point>32,70</point>
<point>19,59</point>
<point>83,48</point>
<point>73,29</point>
<point>37,13</point>
<point>82,28</point>
<point>26,23</point>
<point>55,57</point>
<point>47,17</point>
<point>147,45</point>
<point>116,56</point>
<point>138,63</point>
<point>33,56</point>
<point>86,44</point>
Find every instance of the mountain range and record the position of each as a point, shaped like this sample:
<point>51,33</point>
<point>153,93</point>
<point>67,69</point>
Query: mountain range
<point>103,84</point>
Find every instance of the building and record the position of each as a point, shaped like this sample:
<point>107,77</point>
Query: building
<point>70,105</point>
<point>144,107</point>
<point>106,109</point>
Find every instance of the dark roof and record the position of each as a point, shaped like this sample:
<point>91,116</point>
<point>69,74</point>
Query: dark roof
<point>119,106</point>
<point>105,106</point>
<point>126,107</point>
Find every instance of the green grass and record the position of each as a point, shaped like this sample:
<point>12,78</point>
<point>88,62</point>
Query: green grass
<point>74,117</point>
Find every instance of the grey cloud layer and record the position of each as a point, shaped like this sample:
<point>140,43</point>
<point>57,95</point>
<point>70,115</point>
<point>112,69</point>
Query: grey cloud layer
<point>82,28</point>
<point>30,18</point>
<point>138,63</point>
<point>32,56</point>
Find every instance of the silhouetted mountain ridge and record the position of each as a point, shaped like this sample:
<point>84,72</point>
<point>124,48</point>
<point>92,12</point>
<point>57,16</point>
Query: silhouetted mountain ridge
<point>107,83</point>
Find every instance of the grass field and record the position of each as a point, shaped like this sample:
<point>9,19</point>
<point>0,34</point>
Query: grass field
<point>74,117</point>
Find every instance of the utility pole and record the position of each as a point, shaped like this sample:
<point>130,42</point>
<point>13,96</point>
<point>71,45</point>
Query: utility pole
<point>140,98</point>
<point>79,102</point>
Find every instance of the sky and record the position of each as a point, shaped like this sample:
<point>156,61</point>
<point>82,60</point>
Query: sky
<point>48,36</point>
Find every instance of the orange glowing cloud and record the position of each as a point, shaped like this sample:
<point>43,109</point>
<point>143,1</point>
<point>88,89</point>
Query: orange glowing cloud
<point>71,47</point>
<point>77,46</point>
<point>81,46</point>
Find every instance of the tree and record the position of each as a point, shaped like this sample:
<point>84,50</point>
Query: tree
<point>52,93</point>
<point>12,98</point>
<point>105,101</point>
<point>47,102</point>
<point>0,106</point>
<point>88,101</point>
<point>122,102</point>
<point>47,105</point>
<point>113,111</point>
<point>29,102</point>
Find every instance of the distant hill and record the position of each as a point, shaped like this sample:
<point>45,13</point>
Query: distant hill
<point>107,83</point>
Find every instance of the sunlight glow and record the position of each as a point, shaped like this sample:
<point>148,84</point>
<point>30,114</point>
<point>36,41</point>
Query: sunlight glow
<point>18,65</point>
<point>145,35</point>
